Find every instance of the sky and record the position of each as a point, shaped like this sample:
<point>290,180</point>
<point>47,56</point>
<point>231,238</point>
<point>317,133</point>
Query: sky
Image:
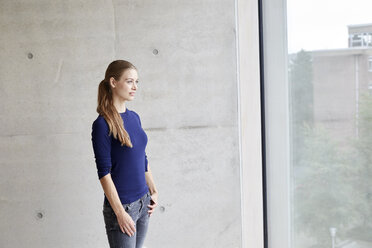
<point>322,24</point>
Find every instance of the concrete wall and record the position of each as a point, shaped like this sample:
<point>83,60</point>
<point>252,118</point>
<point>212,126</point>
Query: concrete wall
<point>54,55</point>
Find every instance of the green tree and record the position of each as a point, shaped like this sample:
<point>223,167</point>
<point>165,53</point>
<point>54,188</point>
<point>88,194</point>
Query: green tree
<point>361,173</point>
<point>323,189</point>
<point>301,99</point>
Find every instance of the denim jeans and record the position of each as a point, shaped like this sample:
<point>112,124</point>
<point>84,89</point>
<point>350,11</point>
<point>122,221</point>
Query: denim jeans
<point>138,210</point>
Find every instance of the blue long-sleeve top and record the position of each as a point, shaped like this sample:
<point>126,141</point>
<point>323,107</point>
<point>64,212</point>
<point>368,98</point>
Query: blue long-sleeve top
<point>126,165</point>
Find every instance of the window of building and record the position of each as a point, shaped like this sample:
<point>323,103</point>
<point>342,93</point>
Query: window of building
<point>360,40</point>
<point>356,40</point>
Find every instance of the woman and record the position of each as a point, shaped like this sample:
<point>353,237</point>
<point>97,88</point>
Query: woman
<point>119,143</point>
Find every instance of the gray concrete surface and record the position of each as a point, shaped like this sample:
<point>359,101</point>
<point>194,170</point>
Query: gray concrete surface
<point>54,54</point>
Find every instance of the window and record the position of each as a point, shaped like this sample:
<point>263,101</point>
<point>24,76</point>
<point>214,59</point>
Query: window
<point>318,122</point>
<point>356,40</point>
<point>360,40</point>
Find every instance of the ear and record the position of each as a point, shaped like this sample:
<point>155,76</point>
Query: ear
<point>112,82</point>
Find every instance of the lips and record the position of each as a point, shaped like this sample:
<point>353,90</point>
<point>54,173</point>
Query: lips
<point>132,93</point>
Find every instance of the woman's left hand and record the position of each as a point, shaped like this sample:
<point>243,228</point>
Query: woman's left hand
<point>153,203</point>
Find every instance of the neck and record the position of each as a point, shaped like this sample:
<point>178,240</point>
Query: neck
<point>119,105</point>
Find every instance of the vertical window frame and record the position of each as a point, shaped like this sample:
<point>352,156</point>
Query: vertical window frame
<point>277,124</point>
<point>249,122</point>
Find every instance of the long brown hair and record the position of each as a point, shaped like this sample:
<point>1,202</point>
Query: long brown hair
<point>105,106</point>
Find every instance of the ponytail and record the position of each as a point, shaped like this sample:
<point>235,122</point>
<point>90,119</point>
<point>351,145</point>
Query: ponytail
<point>105,106</point>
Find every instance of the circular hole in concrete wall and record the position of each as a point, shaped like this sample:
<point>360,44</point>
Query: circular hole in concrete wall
<point>155,51</point>
<point>30,55</point>
<point>40,215</point>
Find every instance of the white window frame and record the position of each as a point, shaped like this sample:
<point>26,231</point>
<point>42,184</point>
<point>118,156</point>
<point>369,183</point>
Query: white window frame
<point>249,109</point>
<point>277,152</point>
<point>277,125</point>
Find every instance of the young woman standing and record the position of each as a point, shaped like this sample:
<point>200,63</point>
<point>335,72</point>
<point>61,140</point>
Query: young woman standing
<point>119,143</point>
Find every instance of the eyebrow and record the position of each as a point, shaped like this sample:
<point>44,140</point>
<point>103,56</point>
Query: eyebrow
<point>133,79</point>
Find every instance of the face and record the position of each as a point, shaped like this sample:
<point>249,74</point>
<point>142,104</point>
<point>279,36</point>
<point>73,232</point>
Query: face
<point>127,86</point>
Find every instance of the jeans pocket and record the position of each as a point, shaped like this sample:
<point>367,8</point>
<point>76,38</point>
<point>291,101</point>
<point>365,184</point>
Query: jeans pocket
<point>128,206</point>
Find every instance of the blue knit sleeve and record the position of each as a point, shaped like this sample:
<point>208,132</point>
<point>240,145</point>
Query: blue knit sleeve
<point>146,161</point>
<point>101,142</point>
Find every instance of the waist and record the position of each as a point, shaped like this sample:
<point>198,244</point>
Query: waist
<point>130,198</point>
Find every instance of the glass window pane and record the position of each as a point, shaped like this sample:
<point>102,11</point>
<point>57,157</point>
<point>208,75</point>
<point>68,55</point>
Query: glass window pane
<point>326,72</point>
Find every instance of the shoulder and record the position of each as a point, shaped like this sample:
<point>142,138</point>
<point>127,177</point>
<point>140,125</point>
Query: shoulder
<point>100,123</point>
<point>134,112</point>
<point>136,115</point>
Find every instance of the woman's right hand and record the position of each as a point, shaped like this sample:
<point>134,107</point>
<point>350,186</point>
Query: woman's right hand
<point>126,223</point>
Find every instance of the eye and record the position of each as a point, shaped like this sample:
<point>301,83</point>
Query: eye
<point>131,81</point>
